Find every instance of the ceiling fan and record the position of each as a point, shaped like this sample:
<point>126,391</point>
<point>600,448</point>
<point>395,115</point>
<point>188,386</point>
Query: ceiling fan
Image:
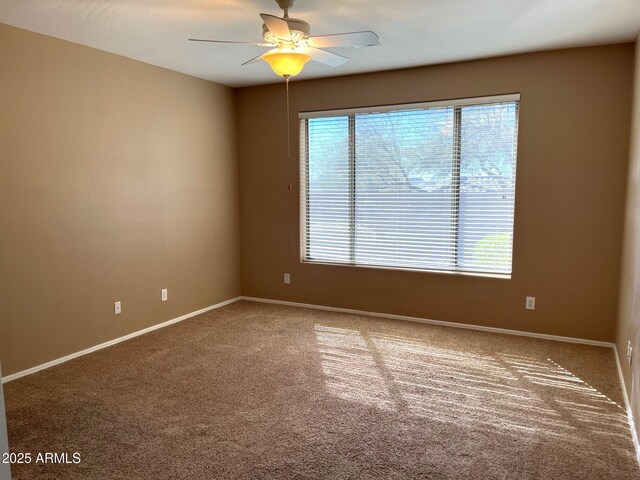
<point>292,46</point>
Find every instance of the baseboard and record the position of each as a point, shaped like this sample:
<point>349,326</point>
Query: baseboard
<point>505,331</point>
<point>441,323</point>
<point>627,405</point>
<point>316,307</point>
<point>58,361</point>
<point>66,358</point>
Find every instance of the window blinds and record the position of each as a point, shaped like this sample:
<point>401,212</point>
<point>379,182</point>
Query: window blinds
<point>429,187</point>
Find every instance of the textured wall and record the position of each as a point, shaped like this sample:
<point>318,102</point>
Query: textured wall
<point>570,193</point>
<point>629,312</point>
<point>117,179</point>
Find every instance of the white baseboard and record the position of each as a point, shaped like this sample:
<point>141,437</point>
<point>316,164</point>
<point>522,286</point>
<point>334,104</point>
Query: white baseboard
<point>58,361</point>
<point>441,323</point>
<point>627,405</point>
<point>505,331</point>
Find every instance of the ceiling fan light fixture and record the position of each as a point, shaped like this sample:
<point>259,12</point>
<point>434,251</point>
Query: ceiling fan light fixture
<point>294,45</point>
<point>286,63</point>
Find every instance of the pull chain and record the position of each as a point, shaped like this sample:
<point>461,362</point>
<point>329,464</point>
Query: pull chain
<point>286,78</point>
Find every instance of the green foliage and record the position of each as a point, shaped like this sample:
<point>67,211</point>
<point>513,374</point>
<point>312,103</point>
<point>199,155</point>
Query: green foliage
<point>493,250</point>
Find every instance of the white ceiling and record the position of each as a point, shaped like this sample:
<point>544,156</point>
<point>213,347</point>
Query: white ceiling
<point>412,32</point>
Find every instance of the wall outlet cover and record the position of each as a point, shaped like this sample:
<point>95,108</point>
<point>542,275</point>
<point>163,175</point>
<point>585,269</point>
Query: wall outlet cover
<point>530,303</point>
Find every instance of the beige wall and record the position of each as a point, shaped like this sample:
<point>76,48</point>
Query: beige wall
<point>117,179</point>
<point>629,310</point>
<point>572,167</point>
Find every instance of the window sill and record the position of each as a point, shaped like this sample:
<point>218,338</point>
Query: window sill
<point>499,276</point>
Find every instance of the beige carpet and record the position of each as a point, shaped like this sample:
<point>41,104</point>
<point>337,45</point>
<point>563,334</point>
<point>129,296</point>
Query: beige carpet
<point>263,391</point>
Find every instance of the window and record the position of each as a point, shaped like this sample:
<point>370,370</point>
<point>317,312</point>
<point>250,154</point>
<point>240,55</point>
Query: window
<point>428,187</point>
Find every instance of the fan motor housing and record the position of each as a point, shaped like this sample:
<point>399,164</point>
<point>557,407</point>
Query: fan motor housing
<point>302,28</point>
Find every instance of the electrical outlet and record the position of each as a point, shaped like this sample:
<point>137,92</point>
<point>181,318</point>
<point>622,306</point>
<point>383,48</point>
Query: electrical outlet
<point>287,278</point>
<point>629,353</point>
<point>117,308</point>
<point>530,303</point>
<point>164,295</point>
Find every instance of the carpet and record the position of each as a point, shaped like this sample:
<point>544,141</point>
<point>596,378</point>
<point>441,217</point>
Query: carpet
<point>265,391</point>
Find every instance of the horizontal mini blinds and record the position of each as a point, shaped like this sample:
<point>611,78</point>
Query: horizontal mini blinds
<point>427,188</point>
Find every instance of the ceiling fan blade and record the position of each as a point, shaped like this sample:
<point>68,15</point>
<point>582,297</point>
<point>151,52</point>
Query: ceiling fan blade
<point>261,44</point>
<point>254,59</point>
<point>352,39</point>
<point>328,58</point>
<point>277,26</point>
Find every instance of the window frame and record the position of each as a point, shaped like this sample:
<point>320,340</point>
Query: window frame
<point>456,104</point>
